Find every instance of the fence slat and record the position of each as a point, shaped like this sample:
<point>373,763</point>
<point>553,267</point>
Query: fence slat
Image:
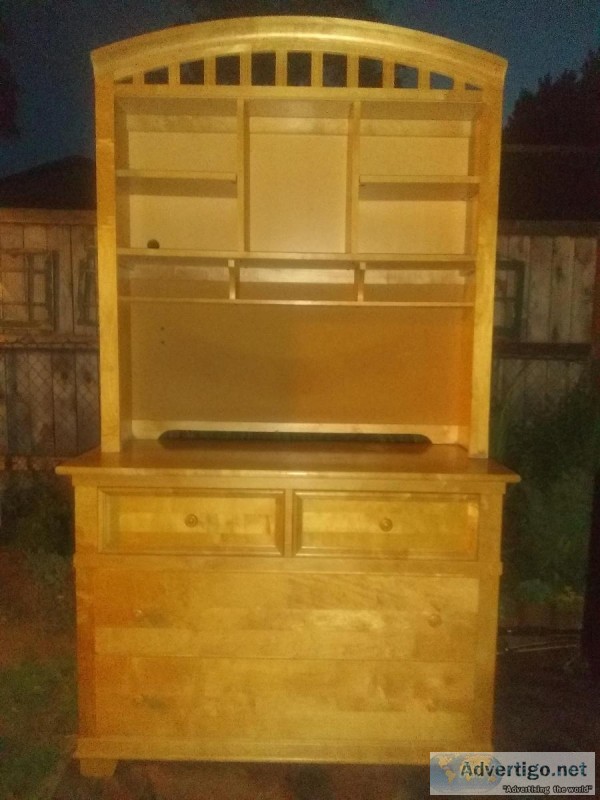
<point>584,276</point>
<point>59,239</point>
<point>88,412</point>
<point>64,392</point>
<point>40,403</point>
<point>502,245</point>
<point>19,419</point>
<point>561,289</point>
<point>540,276</point>
<point>3,434</point>
<point>82,238</point>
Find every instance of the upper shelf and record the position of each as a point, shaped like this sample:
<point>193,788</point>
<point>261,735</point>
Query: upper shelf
<point>177,175</point>
<point>418,187</point>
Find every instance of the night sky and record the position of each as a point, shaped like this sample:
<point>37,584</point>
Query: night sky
<point>50,41</point>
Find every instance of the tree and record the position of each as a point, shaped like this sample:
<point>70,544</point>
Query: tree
<point>562,111</point>
<point>204,10</point>
<point>8,92</point>
<point>334,71</point>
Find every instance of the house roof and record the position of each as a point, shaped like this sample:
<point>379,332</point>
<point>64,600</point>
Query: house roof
<point>69,183</point>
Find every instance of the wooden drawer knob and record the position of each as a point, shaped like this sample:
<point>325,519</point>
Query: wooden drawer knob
<point>150,701</point>
<point>191,520</point>
<point>386,524</point>
<point>435,620</point>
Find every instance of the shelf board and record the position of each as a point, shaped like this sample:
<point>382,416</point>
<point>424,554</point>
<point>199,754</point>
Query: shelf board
<point>425,261</point>
<point>298,302</point>
<point>417,180</point>
<point>177,175</point>
<point>417,187</point>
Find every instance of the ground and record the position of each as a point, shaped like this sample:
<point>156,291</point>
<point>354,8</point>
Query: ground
<point>545,701</point>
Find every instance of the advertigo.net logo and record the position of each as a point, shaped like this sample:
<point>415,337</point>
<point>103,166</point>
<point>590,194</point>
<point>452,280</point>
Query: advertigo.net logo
<point>512,773</point>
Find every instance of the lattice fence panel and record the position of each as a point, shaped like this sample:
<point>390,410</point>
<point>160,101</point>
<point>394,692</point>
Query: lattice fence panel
<point>525,385</point>
<point>49,402</point>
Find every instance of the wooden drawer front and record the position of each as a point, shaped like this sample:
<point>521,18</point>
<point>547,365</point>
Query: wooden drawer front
<point>285,615</point>
<point>395,525</point>
<point>160,520</point>
<point>291,699</point>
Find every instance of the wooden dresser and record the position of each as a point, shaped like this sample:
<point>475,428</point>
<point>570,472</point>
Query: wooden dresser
<point>296,230</point>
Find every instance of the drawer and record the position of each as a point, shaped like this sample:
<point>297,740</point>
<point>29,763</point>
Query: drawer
<point>395,525</point>
<point>285,615</point>
<point>170,520</point>
<point>293,700</point>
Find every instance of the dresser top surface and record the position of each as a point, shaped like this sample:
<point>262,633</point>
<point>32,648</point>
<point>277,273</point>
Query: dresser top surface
<point>300,458</point>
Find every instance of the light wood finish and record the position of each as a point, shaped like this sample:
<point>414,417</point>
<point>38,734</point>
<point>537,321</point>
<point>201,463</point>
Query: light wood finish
<point>211,173</point>
<point>279,258</point>
<point>428,526</point>
<point>368,627</point>
<point>149,521</point>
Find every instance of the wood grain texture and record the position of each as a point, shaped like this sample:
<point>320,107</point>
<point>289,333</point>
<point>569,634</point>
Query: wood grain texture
<point>444,465</point>
<point>282,258</point>
<point>214,169</point>
<point>226,522</point>
<point>259,615</point>
<point>271,699</point>
<point>266,655</point>
<point>421,526</point>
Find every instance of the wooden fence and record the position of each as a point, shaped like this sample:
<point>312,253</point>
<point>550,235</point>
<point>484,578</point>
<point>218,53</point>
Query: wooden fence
<point>49,400</point>
<point>558,277</point>
<point>547,352</point>
<point>48,334</point>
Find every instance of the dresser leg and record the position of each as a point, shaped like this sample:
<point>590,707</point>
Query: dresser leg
<point>97,767</point>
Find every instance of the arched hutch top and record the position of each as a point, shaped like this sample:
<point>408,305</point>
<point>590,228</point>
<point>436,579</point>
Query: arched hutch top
<point>393,47</point>
<point>297,226</point>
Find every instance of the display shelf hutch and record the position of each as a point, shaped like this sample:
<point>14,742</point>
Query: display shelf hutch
<point>296,232</point>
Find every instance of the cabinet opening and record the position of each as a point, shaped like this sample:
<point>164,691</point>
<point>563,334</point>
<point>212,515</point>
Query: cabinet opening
<point>263,69</point>
<point>298,69</point>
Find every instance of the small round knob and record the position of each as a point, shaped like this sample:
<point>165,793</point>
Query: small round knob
<point>386,524</point>
<point>191,520</point>
<point>435,620</point>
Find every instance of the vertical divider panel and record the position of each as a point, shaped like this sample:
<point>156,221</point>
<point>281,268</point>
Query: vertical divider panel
<point>316,69</point>
<point>352,178</point>
<point>471,247</point>
<point>352,72</point>
<point>489,149</point>
<point>242,166</point>
<point>210,71</point>
<point>245,69</point>
<point>174,74</point>
<point>388,74</point>
<point>107,276</point>
<point>281,68</point>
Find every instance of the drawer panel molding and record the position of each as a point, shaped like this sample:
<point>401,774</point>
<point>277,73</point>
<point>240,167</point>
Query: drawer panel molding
<point>191,521</point>
<point>400,525</point>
